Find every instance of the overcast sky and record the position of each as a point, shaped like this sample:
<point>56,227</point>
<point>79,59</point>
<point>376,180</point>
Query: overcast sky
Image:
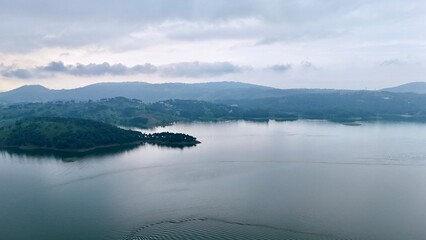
<point>358,44</point>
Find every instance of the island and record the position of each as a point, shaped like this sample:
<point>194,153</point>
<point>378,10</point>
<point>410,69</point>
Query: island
<point>80,135</point>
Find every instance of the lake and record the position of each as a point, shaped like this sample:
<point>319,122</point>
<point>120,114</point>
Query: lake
<point>246,180</point>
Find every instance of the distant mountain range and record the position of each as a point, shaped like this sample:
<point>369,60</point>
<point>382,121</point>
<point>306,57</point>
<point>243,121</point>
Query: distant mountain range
<point>211,101</point>
<point>414,87</point>
<point>213,91</point>
<point>150,92</point>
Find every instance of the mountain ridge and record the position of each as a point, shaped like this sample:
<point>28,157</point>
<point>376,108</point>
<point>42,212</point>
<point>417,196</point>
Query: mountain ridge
<point>149,92</point>
<point>412,87</point>
<point>154,92</point>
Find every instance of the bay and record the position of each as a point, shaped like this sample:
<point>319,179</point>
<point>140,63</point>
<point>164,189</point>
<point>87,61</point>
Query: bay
<point>246,180</point>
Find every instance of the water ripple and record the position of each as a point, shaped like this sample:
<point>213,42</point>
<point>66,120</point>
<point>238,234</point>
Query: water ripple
<point>122,171</point>
<point>216,228</point>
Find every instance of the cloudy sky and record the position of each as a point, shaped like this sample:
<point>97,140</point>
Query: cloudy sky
<point>358,44</point>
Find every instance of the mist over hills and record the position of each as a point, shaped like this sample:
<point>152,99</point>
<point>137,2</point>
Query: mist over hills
<point>397,102</point>
<point>414,87</point>
<point>152,104</point>
<point>151,92</point>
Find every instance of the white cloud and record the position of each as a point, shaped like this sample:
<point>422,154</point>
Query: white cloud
<point>48,23</point>
<point>182,69</point>
<point>333,34</point>
<point>280,68</point>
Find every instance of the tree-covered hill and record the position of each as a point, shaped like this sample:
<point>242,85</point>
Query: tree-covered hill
<point>413,87</point>
<point>342,106</point>
<point>334,106</point>
<point>64,133</point>
<point>123,111</point>
<point>142,91</point>
<point>72,134</point>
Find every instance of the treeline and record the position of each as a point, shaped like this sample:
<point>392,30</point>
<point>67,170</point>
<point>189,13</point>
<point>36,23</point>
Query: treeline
<point>171,139</point>
<point>117,111</point>
<point>76,134</point>
<point>130,112</point>
<point>342,106</point>
<point>64,133</point>
<point>335,106</point>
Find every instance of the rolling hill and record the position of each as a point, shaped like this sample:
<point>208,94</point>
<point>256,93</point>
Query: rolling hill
<point>147,92</point>
<point>80,135</point>
<point>414,87</point>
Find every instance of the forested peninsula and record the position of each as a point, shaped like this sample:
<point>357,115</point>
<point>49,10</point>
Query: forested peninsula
<point>80,135</point>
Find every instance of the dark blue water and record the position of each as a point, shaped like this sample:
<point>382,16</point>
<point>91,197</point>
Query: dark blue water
<point>289,180</point>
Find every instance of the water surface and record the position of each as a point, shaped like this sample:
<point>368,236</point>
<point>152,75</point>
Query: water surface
<point>276,180</point>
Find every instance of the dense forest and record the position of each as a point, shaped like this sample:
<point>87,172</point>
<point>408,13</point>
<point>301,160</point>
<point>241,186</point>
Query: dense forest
<point>170,139</point>
<point>79,134</point>
<point>344,106</point>
<point>125,112</point>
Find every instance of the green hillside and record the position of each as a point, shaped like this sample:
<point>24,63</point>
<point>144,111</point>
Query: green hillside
<point>64,133</point>
<point>123,111</point>
<point>72,134</point>
<point>334,106</point>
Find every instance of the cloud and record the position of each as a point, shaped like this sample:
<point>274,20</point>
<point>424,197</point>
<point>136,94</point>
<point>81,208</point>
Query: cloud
<point>279,68</point>
<point>391,62</point>
<point>197,69</point>
<point>182,69</point>
<point>307,64</point>
<point>93,69</point>
<point>50,23</point>
<point>17,73</point>
<point>55,67</point>
<point>333,34</point>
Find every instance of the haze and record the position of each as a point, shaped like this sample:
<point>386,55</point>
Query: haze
<point>285,44</point>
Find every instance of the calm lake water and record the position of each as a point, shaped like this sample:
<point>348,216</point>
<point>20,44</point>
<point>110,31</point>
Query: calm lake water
<point>276,180</point>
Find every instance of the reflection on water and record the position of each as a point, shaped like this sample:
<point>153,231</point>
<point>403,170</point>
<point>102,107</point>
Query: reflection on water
<point>247,180</point>
<point>69,156</point>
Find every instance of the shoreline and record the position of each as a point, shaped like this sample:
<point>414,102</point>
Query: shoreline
<point>84,150</point>
<point>79,150</point>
